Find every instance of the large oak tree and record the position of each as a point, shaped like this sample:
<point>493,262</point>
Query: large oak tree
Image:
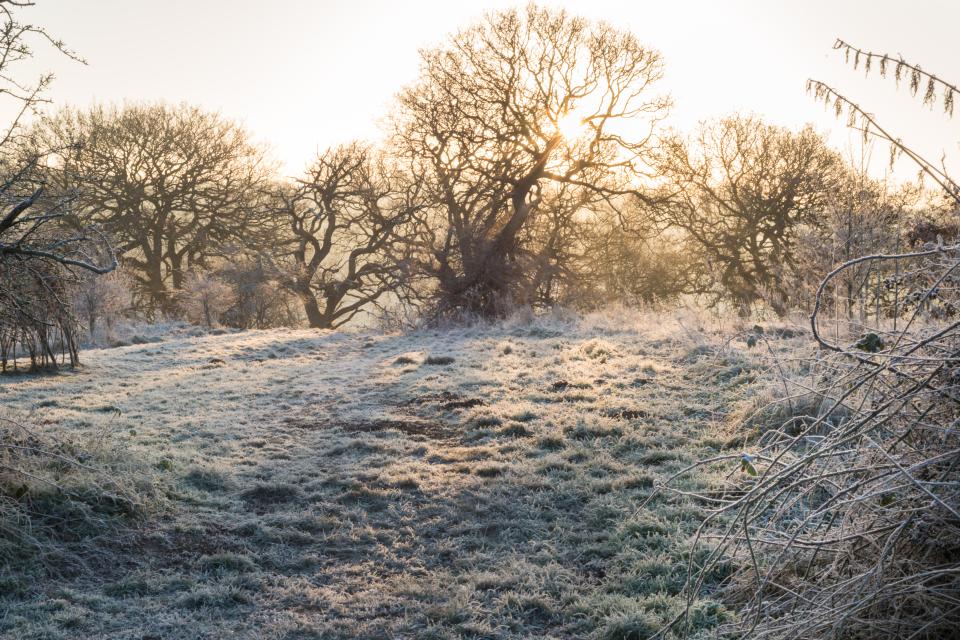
<point>739,189</point>
<point>170,184</point>
<point>344,233</point>
<point>507,115</point>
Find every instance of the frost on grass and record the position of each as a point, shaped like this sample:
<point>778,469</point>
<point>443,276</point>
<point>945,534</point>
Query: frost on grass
<point>481,481</point>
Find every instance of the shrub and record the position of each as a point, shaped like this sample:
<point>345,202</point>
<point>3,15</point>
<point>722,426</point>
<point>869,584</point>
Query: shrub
<point>846,519</point>
<point>204,298</point>
<point>101,299</point>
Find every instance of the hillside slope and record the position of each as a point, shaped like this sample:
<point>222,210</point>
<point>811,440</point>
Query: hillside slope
<point>477,482</point>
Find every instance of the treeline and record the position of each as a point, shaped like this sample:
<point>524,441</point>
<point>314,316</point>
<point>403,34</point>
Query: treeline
<point>527,166</point>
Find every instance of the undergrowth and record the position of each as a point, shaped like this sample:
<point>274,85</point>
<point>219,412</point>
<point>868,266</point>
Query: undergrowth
<point>64,500</point>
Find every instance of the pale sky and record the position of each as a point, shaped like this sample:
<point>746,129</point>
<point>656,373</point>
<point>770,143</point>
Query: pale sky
<point>305,74</point>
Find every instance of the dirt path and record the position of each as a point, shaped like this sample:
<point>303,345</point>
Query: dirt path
<point>476,483</point>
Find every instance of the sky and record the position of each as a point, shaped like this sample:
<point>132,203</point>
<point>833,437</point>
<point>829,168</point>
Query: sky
<point>302,75</point>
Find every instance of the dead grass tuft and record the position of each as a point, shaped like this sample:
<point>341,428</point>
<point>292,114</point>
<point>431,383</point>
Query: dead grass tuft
<point>63,500</point>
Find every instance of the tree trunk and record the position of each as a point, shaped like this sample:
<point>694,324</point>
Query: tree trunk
<point>315,318</point>
<point>176,270</point>
<point>155,285</point>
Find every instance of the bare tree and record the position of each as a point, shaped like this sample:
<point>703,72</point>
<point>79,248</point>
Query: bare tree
<point>168,183</point>
<point>739,189</point>
<point>42,242</point>
<point>343,236</point>
<point>523,102</point>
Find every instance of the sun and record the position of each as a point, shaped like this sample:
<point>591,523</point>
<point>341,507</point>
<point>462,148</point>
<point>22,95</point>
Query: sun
<point>571,125</point>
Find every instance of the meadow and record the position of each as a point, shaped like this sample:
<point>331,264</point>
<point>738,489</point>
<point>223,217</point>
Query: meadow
<point>496,480</point>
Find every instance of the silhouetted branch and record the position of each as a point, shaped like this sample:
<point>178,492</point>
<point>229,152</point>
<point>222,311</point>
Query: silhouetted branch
<point>917,77</point>
<point>823,92</point>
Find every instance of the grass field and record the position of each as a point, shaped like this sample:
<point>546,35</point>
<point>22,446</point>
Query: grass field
<point>480,482</point>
